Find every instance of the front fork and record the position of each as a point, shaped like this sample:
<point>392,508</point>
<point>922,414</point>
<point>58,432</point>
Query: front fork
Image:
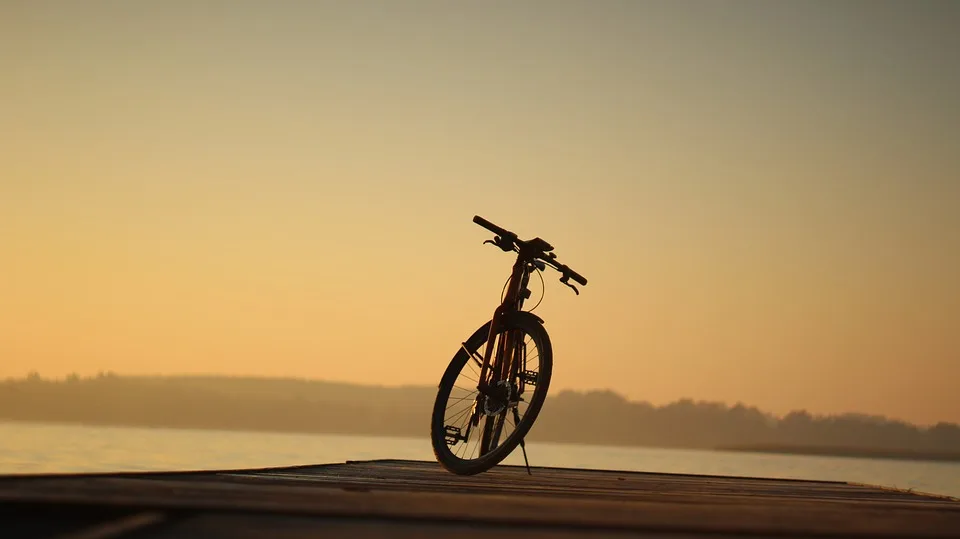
<point>513,301</point>
<point>493,368</point>
<point>502,363</point>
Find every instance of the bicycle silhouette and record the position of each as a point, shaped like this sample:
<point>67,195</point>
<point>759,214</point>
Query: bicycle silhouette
<point>500,375</point>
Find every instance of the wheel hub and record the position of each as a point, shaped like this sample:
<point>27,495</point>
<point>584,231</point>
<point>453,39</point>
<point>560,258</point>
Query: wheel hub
<point>500,395</point>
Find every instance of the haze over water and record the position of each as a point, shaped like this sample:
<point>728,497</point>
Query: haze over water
<point>763,195</point>
<point>51,448</point>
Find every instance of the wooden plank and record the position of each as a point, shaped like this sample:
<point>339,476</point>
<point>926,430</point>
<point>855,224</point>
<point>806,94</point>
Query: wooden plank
<point>422,493</point>
<point>427,476</point>
<point>279,527</point>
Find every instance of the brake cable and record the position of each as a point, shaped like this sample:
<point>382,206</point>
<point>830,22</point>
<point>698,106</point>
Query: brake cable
<point>543,288</point>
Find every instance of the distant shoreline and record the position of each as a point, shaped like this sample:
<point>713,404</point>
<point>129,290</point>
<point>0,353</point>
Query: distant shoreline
<point>797,450</point>
<point>596,418</point>
<point>850,452</point>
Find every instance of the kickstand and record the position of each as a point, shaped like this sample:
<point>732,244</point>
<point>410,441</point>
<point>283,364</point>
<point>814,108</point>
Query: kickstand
<point>523,446</point>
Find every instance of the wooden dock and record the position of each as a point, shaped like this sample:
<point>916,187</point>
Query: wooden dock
<point>419,499</point>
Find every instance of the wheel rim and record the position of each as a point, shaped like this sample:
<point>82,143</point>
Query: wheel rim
<point>462,401</point>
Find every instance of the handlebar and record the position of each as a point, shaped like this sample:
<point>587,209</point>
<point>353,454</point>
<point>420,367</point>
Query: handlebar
<point>492,227</point>
<point>509,238</point>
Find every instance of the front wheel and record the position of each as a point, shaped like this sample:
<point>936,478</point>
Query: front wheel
<point>472,433</point>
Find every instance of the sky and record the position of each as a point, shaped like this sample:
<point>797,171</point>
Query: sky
<point>764,195</point>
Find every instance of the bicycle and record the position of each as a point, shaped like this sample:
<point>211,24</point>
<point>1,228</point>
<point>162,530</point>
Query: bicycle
<point>496,384</point>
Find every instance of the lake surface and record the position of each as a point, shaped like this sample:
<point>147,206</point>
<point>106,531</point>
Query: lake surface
<point>46,448</point>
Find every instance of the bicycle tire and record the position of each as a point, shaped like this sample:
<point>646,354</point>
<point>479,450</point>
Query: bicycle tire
<point>530,325</point>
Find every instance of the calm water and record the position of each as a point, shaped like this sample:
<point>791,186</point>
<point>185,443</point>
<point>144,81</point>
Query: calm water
<point>43,448</point>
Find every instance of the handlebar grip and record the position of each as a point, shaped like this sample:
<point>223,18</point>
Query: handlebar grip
<point>491,227</point>
<point>579,278</point>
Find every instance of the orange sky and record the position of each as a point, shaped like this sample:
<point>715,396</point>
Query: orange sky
<point>764,196</point>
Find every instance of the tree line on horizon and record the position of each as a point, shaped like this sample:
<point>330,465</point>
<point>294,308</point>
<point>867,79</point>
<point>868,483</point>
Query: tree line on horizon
<point>600,417</point>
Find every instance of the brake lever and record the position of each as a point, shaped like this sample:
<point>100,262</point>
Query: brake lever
<point>564,281</point>
<point>500,243</point>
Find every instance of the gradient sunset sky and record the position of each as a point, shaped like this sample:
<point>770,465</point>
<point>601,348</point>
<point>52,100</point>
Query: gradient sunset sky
<point>764,195</point>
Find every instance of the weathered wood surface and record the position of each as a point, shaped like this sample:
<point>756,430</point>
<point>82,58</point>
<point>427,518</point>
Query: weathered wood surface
<point>417,499</point>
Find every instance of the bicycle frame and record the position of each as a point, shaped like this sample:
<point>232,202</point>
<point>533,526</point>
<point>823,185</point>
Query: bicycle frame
<point>512,302</point>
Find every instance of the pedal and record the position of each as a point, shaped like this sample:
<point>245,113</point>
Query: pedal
<point>474,356</point>
<point>452,435</point>
<point>530,377</point>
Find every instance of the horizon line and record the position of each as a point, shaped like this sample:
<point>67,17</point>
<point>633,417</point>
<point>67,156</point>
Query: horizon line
<point>814,415</point>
